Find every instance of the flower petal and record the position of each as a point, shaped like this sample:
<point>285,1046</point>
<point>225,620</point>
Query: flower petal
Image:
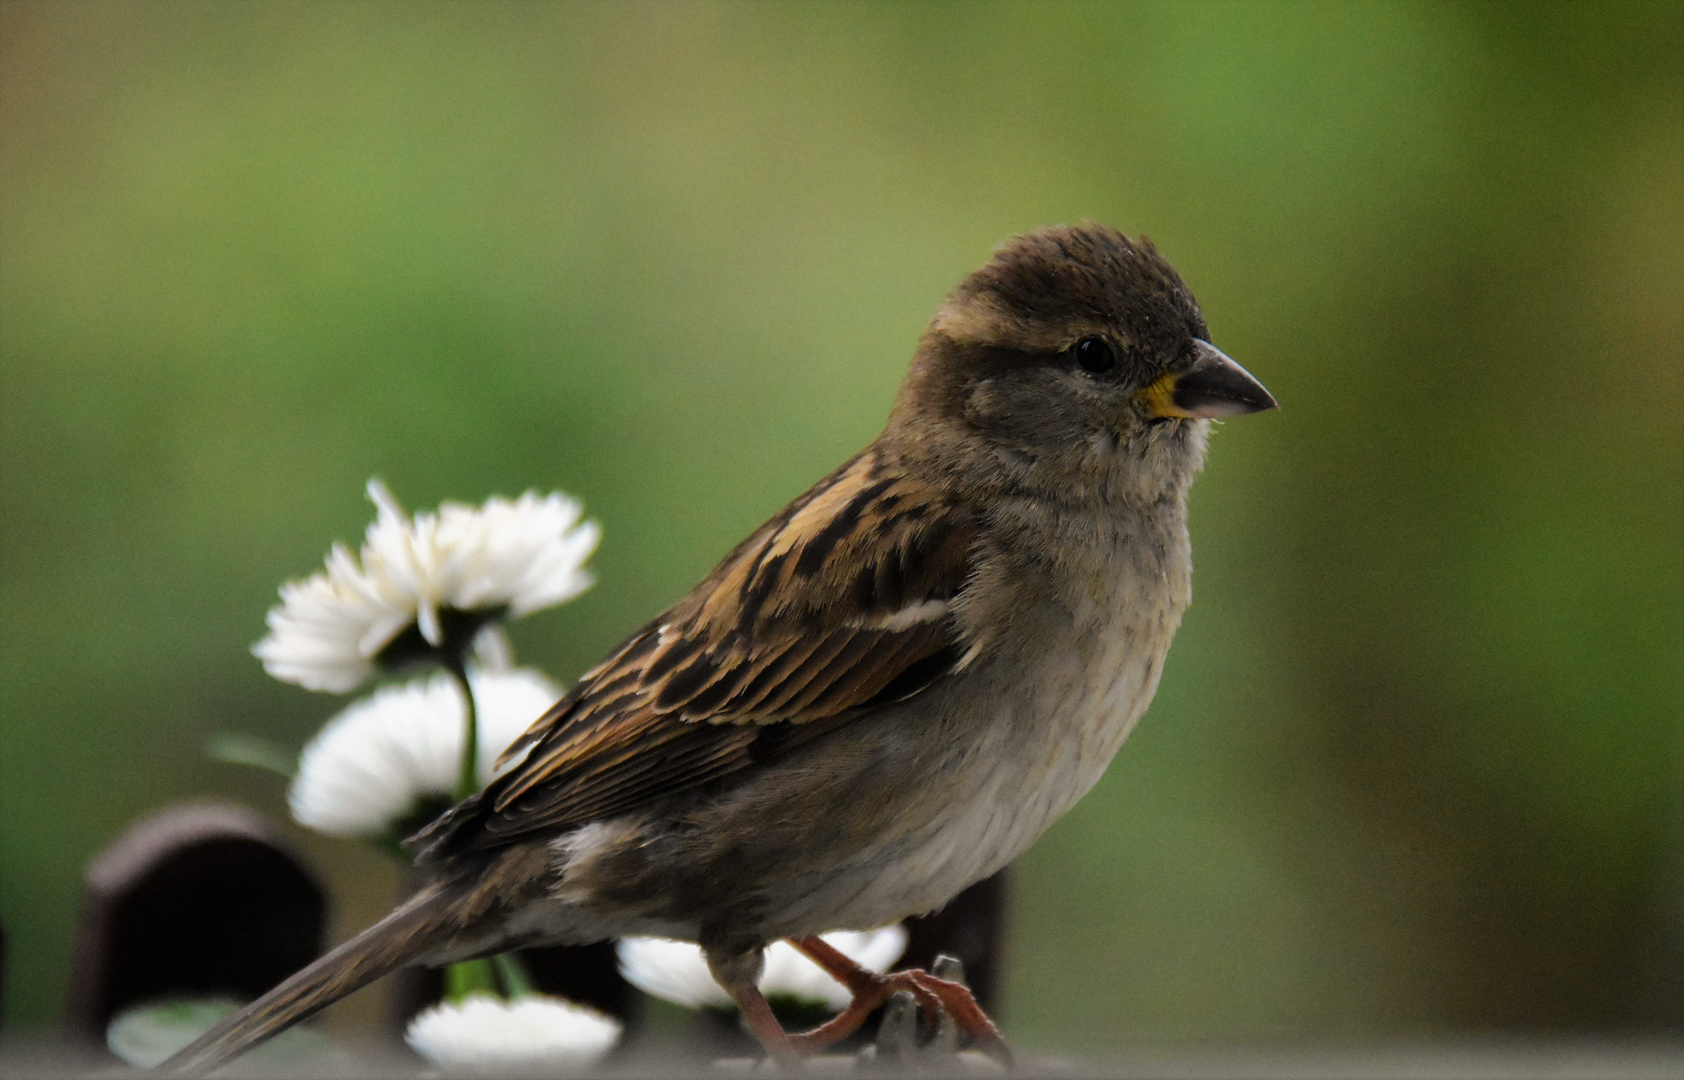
<point>366,770</point>
<point>534,1030</point>
<point>676,970</point>
<point>521,556</point>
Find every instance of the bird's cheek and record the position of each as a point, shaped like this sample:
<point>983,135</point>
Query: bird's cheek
<point>981,406</point>
<point>1127,419</point>
<point>1008,417</point>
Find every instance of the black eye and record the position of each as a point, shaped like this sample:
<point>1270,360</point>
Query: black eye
<point>1095,355</point>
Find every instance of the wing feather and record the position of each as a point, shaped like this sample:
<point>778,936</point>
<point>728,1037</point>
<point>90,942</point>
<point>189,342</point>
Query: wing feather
<point>839,604</point>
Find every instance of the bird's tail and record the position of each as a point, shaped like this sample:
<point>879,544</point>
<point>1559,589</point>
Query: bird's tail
<point>405,935</point>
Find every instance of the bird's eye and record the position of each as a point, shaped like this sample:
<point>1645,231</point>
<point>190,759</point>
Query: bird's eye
<point>1095,355</point>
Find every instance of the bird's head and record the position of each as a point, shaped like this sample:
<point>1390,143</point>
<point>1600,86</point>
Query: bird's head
<point>1075,364</point>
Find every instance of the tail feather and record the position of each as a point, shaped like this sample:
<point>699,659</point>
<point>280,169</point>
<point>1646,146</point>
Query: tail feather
<point>405,935</point>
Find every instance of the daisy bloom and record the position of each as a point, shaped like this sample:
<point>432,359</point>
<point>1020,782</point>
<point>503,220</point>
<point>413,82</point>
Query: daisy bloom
<point>531,1032</point>
<point>371,767</point>
<point>440,579</point>
<point>675,971</point>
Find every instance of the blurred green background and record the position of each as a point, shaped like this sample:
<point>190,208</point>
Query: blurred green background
<point>1417,764</point>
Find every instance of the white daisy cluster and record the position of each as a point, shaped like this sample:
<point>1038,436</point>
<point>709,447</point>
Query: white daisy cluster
<point>533,1032</point>
<point>368,768</point>
<point>676,971</point>
<point>460,570</point>
<point>518,556</point>
<point>432,589</point>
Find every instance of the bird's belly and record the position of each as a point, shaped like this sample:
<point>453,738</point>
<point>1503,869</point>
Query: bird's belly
<point>1047,741</point>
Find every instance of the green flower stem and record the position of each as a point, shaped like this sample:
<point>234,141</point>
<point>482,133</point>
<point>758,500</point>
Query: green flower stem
<point>467,777</point>
<point>469,977</point>
<point>516,982</point>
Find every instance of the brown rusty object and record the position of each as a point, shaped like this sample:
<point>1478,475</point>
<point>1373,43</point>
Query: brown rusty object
<point>200,899</point>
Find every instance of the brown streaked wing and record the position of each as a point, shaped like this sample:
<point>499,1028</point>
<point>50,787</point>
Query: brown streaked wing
<point>793,632</point>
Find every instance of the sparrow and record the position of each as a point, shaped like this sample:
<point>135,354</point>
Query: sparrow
<point>884,694</point>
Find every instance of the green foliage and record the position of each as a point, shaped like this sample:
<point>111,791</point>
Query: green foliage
<point>1415,763</point>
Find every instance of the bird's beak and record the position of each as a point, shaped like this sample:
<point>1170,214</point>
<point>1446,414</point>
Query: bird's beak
<point>1213,388</point>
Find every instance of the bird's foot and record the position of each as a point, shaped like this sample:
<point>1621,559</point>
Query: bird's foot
<point>870,990</point>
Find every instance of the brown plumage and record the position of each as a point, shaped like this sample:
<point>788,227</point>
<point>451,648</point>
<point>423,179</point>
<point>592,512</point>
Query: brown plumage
<point>753,662</point>
<point>888,690</point>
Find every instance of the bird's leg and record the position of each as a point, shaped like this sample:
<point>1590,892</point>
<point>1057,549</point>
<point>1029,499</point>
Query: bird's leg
<point>738,975</point>
<point>871,990</point>
<point>765,1026</point>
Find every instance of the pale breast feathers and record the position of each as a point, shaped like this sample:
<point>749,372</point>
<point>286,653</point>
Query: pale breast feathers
<point>841,603</point>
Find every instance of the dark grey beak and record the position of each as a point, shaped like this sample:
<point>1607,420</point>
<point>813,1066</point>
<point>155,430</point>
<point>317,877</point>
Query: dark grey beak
<point>1216,388</point>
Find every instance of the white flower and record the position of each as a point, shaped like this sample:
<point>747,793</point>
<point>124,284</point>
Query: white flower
<point>531,1031</point>
<point>365,771</point>
<point>676,971</point>
<point>523,556</point>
